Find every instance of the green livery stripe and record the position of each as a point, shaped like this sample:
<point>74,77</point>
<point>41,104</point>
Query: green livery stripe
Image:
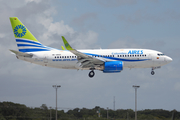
<point>20,31</point>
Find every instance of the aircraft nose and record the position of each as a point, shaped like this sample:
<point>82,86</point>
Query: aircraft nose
<point>168,59</point>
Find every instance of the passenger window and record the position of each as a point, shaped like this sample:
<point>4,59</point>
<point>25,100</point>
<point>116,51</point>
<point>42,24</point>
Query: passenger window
<point>137,55</point>
<point>62,56</point>
<point>55,56</point>
<point>67,56</point>
<point>132,55</point>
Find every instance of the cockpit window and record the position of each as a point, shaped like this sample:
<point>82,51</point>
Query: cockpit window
<point>160,54</point>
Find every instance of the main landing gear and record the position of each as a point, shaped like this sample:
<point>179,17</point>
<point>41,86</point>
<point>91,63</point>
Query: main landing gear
<point>91,74</point>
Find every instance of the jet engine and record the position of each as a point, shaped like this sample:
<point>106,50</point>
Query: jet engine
<point>113,66</point>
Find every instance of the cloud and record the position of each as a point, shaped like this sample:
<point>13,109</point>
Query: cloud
<point>80,21</point>
<point>85,40</point>
<point>177,86</point>
<point>37,1</point>
<point>143,15</point>
<point>54,30</point>
<point>115,3</point>
<point>124,43</point>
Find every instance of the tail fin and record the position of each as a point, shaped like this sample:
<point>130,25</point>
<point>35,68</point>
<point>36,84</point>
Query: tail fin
<point>26,42</point>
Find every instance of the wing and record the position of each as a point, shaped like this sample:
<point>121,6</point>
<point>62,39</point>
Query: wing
<point>85,60</point>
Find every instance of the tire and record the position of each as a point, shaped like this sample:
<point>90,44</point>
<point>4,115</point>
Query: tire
<point>91,74</point>
<point>152,72</point>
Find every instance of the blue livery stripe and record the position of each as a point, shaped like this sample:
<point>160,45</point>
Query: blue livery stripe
<point>28,41</point>
<point>29,47</point>
<point>22,45</point>
<point>32,50</point>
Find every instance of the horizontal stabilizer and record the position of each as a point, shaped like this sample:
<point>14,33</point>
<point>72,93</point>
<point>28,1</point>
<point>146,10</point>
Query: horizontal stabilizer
<point>22,54</point>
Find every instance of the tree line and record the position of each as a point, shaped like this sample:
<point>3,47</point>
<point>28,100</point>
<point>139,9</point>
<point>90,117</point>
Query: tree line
<point>14,111</point>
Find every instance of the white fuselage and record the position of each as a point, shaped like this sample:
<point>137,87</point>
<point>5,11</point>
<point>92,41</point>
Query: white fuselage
<point>131,58</point>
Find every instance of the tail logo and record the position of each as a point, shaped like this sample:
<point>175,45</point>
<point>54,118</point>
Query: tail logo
<point>66,44</point>
<point>20,30</point>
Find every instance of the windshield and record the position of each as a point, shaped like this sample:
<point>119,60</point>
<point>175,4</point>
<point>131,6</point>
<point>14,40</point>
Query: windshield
<point>160,54</point>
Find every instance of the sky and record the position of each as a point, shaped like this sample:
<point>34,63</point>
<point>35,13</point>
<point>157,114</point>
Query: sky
<point>92,24</point>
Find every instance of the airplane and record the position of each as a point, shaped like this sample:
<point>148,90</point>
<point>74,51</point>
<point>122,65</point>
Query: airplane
<point>105,60</point>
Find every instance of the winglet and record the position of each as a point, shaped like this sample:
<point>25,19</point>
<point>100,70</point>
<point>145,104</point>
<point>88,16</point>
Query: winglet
<point>68,47</point>
<point>62,48</point>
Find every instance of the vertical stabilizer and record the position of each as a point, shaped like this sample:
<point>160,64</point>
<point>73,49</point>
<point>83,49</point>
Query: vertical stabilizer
<point>26,42</point>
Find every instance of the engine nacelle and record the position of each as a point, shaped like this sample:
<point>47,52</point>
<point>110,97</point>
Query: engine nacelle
<point>113,66</point>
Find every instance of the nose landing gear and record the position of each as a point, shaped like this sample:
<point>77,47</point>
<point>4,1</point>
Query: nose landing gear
<point>152,72</point>
<point>153,68</point>
<point>91,74</point>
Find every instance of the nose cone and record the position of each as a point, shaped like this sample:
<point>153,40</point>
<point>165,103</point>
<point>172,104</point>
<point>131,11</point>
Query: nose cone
<point>168,59</point>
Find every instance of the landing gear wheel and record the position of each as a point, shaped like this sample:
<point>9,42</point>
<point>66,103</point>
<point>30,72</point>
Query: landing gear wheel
<point>91,74</point>
<point>152,72</point>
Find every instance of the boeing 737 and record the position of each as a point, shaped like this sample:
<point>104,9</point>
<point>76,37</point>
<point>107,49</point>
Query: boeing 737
<point>105,60</point>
